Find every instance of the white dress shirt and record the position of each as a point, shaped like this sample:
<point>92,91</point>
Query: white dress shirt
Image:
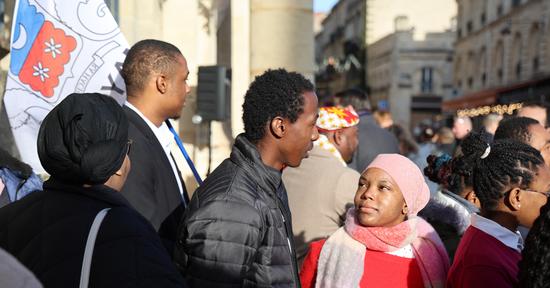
<point>502,234</point>
<point>164,137</point>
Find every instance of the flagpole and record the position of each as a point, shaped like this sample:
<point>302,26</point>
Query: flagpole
<point>187,158</point>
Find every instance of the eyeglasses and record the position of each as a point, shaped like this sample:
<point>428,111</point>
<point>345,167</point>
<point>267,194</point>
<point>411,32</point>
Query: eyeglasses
<point>547,194</point>
<point>129,145</point>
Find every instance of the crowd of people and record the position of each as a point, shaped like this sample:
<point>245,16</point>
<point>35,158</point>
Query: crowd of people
<point>312,195</point>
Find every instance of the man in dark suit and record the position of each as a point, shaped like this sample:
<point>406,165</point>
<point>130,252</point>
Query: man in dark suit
<point>155,73</point>
<point>373,139</point>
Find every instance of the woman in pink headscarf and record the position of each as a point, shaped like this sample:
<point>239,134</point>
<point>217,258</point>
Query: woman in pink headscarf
<point>383,243</point>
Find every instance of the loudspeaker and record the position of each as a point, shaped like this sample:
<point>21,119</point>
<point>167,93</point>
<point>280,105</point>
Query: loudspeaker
<point>213,93</point>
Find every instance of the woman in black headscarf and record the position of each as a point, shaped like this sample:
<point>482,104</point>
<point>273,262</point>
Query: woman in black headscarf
<point>83,143</point>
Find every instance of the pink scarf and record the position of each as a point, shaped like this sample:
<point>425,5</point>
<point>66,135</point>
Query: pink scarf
<point>341,263</point>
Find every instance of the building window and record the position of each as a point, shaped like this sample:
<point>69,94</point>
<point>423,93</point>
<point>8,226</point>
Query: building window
<point>470,82</point>
<point>535,64</point>
<point>459,33</point>
<point>469,26</point>
<point>2,10</point>
<point>500,74</point>
<point>518,70</point>
<point>426,82</point>
<point>516,3</point>
<point>499,10</point>
<point>113,6</point>
<point>483,79</point>
<point>483,18</point>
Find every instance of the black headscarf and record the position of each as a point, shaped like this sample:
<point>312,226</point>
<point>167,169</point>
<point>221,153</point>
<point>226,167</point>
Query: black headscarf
<point>84,139</point>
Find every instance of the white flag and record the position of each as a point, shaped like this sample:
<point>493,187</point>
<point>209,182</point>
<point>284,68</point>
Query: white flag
<point>59,47</point>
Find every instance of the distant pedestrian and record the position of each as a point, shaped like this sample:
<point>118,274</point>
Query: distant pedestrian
<point>373,140</point>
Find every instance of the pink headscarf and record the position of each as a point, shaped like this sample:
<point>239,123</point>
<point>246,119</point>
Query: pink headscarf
<point>408,177</point>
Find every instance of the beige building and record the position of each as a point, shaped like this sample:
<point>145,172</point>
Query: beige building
<point>427,15</point>
<point>410,77</point>
<point>502,52</point>
<point>246,36</point>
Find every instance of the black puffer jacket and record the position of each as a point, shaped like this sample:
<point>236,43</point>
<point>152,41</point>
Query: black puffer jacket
<point>235,232</point>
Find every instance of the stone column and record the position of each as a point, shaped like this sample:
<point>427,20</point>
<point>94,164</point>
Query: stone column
<point>240,61</point>
<point>281,35</point>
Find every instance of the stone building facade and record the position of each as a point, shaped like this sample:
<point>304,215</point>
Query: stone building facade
<point>502,52</point>
<point>410,77</point>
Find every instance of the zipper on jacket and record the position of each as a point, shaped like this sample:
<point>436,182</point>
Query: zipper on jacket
<point>293,263</point>
<point>287,239</point>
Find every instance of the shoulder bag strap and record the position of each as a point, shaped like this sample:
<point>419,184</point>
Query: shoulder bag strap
<point>90,243</point>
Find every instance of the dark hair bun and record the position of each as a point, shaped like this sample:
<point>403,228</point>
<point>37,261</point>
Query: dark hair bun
<point>439,168</point>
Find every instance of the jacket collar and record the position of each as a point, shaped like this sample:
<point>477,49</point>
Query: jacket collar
<point>471,208</point>
<point>246,155</point>
<point>97,192</point>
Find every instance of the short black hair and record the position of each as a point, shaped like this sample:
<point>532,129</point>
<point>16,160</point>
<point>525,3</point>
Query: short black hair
<point>534,267</point>
<point>516,128</point>
<point>508,163</point>
<point>274,93</point>
<point>355,97</point>
<point>143,58</point>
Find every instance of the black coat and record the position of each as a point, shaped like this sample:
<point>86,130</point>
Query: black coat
<point>373,140</point>
<point>47,231</point>
<point>151,187</point>
<point>237,229</point>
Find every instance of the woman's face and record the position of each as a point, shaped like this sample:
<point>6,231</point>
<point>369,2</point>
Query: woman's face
<point>535,197</point>
<point>379,201</point>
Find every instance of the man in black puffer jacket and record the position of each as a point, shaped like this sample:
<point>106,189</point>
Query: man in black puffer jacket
<point>237,230</point>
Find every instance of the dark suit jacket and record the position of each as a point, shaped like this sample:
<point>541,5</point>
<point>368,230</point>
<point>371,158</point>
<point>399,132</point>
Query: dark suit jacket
<point>373,140</point>
<point>151,187</point>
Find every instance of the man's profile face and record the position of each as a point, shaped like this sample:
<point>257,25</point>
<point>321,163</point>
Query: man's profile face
<point>540,140</point>
<point>349,144</point>
<point>300,135</point>
<point>177,88</point>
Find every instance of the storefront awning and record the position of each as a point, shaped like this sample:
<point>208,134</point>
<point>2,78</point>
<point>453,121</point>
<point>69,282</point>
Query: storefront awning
<point>519,92</point>
<point>481,98</point>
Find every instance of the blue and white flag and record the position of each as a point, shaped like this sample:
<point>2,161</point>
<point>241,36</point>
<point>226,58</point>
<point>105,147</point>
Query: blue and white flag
<point>59,47</point>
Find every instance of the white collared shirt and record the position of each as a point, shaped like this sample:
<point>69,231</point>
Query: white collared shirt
<point>502,234</point>
<point>165,138</point>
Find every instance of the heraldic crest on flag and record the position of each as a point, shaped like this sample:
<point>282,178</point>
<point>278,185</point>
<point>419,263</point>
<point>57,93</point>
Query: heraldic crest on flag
<point>59,47</point>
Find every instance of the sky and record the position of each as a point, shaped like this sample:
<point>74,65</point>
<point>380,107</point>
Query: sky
<point>323,5</point>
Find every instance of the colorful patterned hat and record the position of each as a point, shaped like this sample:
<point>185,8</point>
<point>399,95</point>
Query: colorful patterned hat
<point>334,118</point>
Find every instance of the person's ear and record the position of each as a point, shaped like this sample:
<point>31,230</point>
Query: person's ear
<point>472,198</point>
<point>338,137</point>
<point>278,127</point>
<point>514,199</point>
<point>405,209</point>
<point>161,83</point>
